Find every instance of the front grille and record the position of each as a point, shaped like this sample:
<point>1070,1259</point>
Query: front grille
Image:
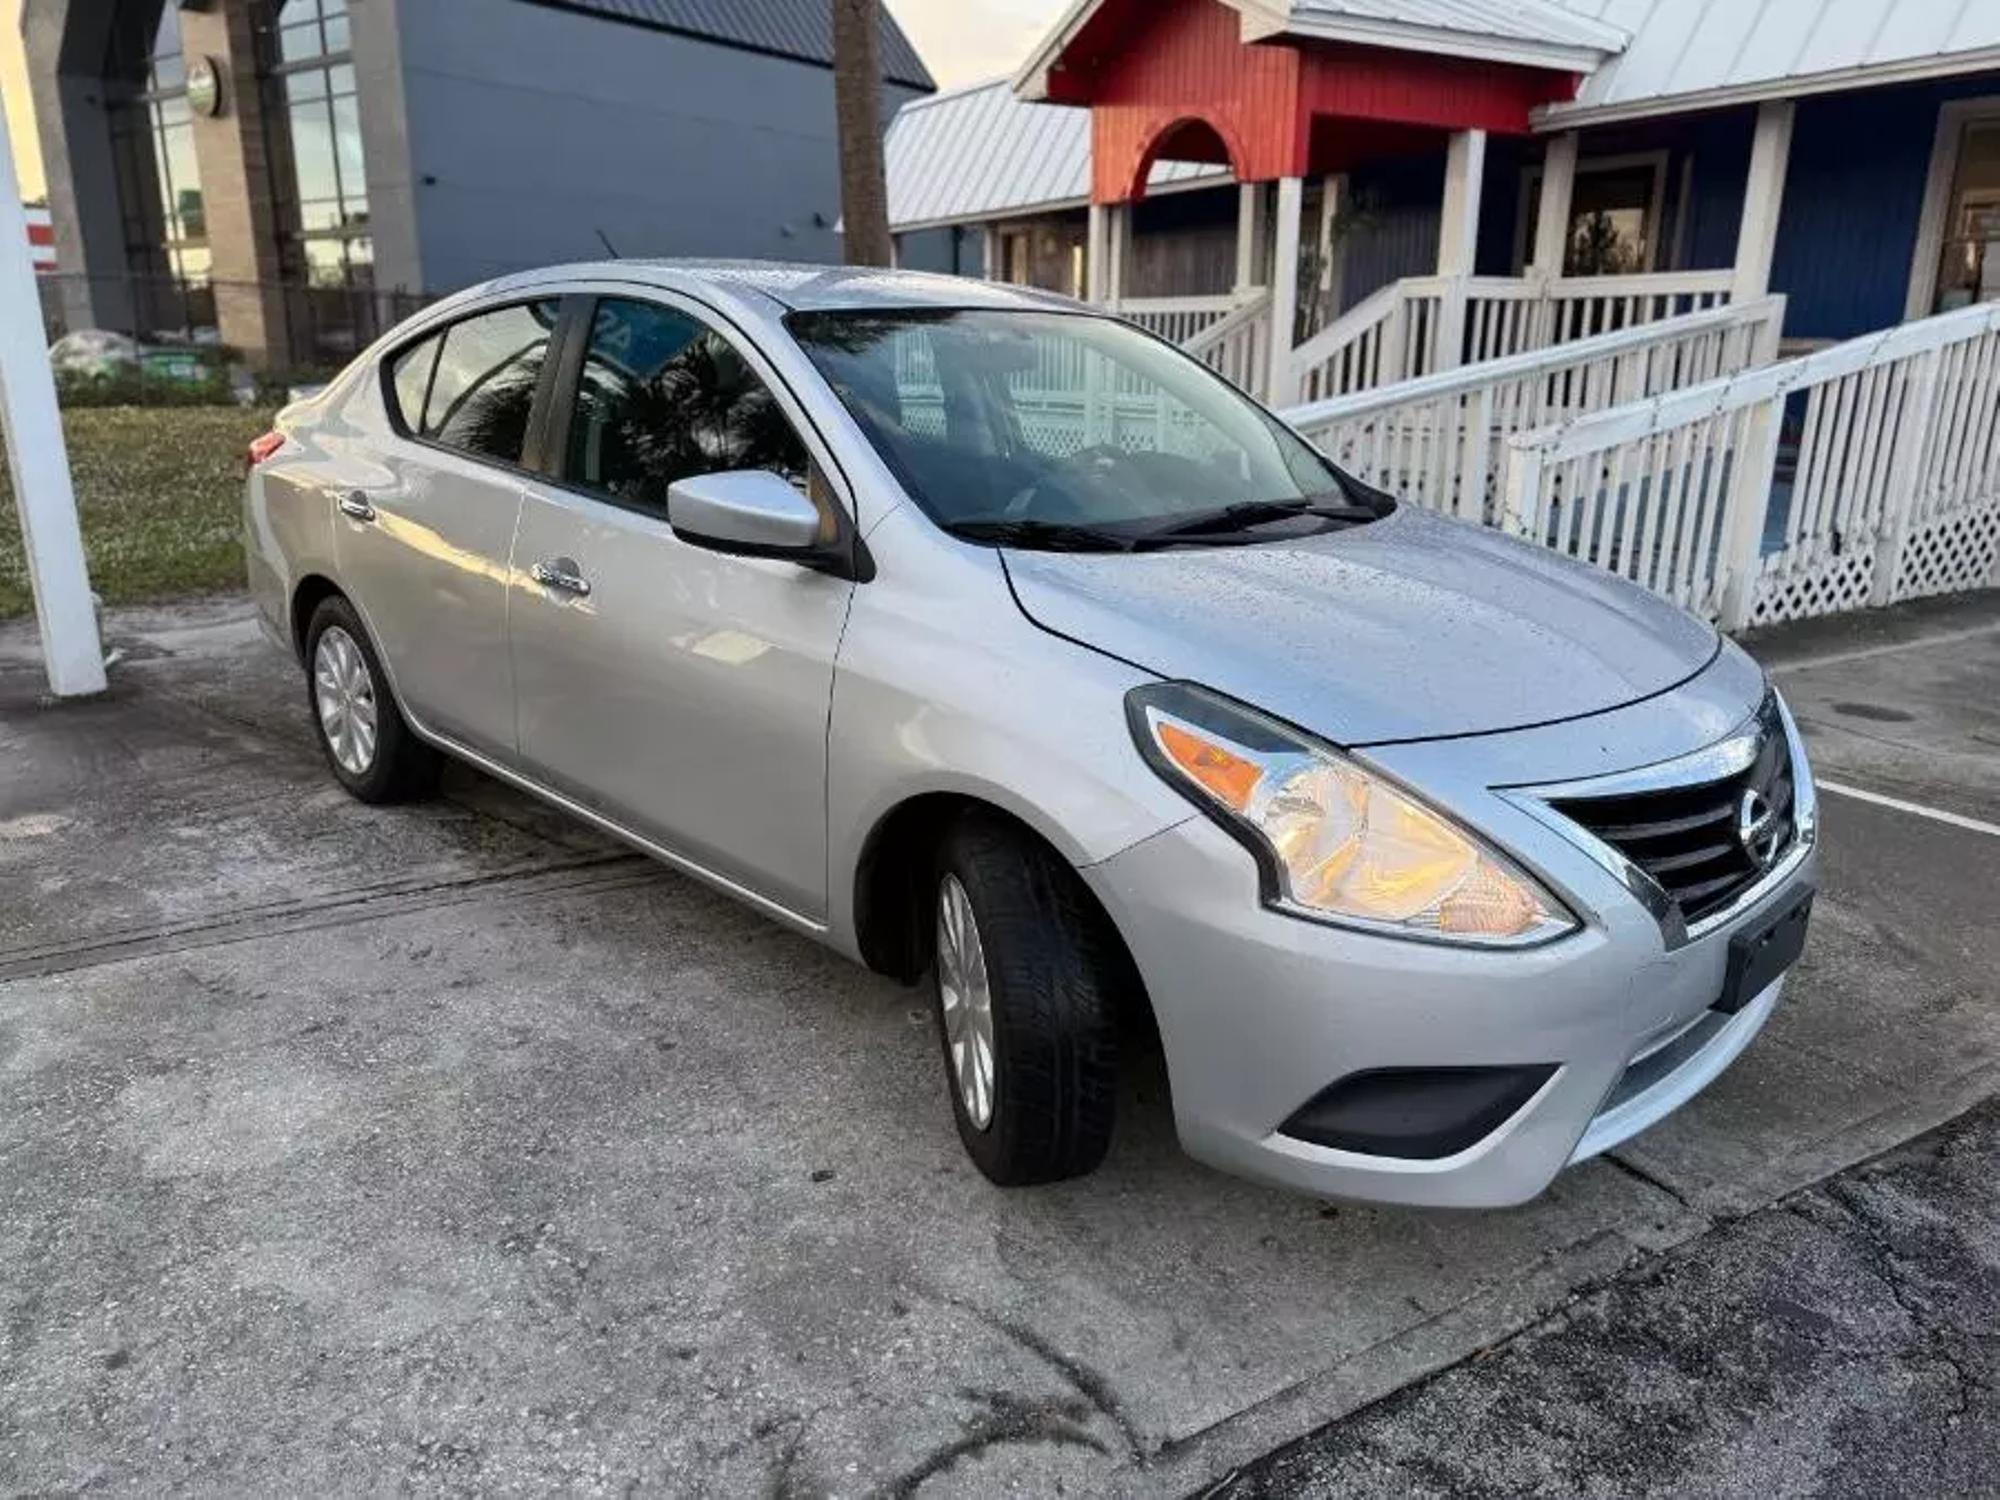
<point>1688,837</point>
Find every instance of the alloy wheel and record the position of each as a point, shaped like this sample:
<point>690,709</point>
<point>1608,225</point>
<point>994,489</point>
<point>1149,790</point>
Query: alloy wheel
<point>967,1001</point>
<point>344,692</point>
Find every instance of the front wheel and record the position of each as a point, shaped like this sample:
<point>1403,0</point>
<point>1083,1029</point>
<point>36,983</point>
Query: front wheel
<point>367,743</point>
<point>1025,976</point>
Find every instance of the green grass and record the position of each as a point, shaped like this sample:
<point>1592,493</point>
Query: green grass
<point>160,493</point>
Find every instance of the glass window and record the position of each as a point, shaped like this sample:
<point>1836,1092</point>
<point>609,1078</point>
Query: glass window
<point>1969,270</point>
<point>410,376</point>
<point>484,387</point>
<point>663,397</point>
<point>1024,419</point>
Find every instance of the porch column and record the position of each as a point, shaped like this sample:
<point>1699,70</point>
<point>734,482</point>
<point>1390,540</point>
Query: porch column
<point>1332,199</point>
<point>1458,241</point>
<point>1279,389</point>
<point>989,253</point>
<point>1558,192</point>
<point>1249,205</point>
<point>1763,201</point>
<point>1097,254</point>
<point>1118,250</point>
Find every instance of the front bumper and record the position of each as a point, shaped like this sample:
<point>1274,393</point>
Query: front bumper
<point>1260,1012</point>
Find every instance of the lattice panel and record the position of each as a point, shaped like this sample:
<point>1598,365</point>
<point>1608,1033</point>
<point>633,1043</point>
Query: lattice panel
<point>1791,590</point>
<point>1951,552</point>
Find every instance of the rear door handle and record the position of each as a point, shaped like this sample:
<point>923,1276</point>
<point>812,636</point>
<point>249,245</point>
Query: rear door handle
<point>561,574</point>
<point>355,504</point>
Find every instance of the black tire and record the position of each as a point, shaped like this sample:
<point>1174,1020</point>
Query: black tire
<point>1053,972</point>
<point>400,767</point>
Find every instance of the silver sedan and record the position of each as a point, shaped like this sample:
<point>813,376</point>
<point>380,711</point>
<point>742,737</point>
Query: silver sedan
<point>993,641</point>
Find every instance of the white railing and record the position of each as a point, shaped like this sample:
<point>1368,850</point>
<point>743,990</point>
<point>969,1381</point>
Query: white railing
<point>1438,441</point>
<point>1860,475</point>
<point>1238,347</point>
<point>1425,324</point>
<point>1176,319</point>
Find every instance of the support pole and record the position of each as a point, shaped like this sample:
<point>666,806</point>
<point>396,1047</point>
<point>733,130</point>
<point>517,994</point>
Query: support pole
<point>1248,202</point>
<point>1097,255</point>
<point>38,463</point>
<point>1285,290</point>
<point>1552,218</point>
<point>1763,201</point>
<point>1458,244</point>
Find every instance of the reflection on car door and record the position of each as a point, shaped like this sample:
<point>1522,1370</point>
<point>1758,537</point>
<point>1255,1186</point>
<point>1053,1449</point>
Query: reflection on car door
<point>681,692</point>
<point>426,554</point>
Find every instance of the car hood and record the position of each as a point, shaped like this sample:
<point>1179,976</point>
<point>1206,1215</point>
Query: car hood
<point>1411,627</point>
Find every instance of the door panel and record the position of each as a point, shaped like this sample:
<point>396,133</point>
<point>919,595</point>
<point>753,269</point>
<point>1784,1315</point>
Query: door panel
<point>684,695</point>
<point>428,572</point>
<point>426,555</point>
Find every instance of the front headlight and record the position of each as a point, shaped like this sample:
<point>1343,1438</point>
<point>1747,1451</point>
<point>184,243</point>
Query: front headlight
<point>1336,841</point>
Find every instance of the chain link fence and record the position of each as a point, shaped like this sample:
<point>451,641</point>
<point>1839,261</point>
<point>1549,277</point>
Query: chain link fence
<point>277,325</point>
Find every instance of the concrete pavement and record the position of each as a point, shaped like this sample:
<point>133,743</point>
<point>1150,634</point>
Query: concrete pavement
<point>450,1146</point>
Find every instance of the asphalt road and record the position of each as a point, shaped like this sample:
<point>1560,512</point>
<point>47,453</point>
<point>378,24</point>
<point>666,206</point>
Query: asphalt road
<point>451,1148</point>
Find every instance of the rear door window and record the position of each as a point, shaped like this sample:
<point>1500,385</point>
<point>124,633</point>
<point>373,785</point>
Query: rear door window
<point>480,391</point>
<point>410,378</point>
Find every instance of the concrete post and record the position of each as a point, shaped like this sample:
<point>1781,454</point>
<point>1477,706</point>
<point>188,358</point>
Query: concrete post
<point>38,463</point>
<point>1279,391</point>
<point>1763,200</point>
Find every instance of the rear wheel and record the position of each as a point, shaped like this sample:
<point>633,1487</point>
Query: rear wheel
<point>366,741</point>
<point>1025,979</point>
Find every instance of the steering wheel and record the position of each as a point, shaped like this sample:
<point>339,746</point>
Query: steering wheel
<point>1101,457</point>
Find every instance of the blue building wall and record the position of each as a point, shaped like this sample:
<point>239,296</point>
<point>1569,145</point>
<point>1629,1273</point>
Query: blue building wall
<point>1853,199</point>
<point>540,134</point>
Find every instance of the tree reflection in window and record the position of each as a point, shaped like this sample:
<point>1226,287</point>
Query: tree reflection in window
<point>662,398</point>
<point>483,390</point>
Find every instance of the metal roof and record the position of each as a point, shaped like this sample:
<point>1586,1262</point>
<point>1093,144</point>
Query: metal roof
<point>1543,21</point>
<point>1716,51</point>
<point>979,152</point>
<point>801,29</point>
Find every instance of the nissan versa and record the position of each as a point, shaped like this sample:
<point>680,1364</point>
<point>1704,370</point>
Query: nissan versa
<point>984,637</point>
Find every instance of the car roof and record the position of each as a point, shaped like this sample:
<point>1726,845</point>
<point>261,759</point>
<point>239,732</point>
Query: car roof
<point>773,288</point>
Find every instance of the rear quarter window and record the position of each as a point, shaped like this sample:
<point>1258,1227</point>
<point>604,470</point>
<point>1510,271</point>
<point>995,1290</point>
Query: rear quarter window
<point>410,380</point>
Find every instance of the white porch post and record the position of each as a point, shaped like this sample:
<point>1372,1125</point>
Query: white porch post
<point>1118,250</point>
<point>1249,201</point>
<point>1097,252</point>
<point>38,463</point>
<point>1285,289</point>
<point>1458,241</point>
<point>1552,217</point>
<point>989,254</point>
<point>1332,199</point>
<point>1763,200</point>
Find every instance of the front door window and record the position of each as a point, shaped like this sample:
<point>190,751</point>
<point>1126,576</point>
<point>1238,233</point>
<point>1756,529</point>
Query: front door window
<point>1969,268</point>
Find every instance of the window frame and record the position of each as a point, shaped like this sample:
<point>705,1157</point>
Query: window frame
<point>846,555</point>
<point>534,442</point>
<point>1955,117</point>
<point>1660,161</point>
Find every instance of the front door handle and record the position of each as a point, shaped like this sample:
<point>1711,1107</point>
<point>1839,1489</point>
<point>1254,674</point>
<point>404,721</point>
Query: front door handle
<point>561,574</point>
<point>355,504</point>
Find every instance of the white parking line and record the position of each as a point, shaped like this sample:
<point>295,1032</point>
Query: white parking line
<point>1916,809</point>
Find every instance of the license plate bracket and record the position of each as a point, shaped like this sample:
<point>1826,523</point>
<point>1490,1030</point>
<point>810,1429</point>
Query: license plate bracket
<point>1760,954</point>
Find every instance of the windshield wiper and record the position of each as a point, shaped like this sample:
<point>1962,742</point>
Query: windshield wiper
<point>1046,536</point>
<point>1248,513</point>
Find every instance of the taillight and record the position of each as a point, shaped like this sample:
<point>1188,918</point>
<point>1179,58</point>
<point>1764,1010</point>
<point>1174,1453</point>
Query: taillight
<point>263,447</point>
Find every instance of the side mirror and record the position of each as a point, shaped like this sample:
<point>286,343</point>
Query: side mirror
<point>747,513</point>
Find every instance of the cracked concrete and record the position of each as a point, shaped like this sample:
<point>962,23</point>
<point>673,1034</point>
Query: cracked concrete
<point>1843,1342</point>
<point>450,1147</point>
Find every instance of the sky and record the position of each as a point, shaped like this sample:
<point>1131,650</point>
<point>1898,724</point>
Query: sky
<point>962,41</point>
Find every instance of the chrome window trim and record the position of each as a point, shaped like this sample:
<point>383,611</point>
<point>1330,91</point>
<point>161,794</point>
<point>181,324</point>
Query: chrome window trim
<point>1729,756</point>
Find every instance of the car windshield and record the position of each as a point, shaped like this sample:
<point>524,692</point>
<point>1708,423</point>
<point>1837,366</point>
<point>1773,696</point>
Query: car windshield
<point>1059,430</point>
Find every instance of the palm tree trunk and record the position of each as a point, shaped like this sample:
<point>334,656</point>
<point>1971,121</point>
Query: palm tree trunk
<point>857,92</point>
